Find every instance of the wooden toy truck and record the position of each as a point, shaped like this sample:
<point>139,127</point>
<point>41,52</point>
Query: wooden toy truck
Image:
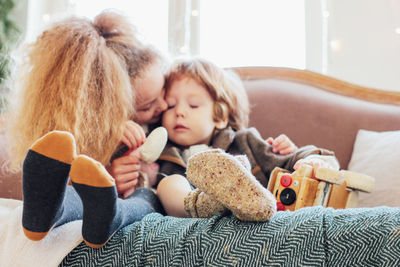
<point>328,188</point>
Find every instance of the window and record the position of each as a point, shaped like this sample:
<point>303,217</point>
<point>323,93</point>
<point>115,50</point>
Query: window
<point>357,41</point>
<point>228,32</point>
<point>150,17</point>
<point>253,32</point>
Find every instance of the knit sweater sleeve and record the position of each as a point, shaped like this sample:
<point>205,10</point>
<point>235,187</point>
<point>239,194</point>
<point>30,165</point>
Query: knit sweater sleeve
<point>260,153</point>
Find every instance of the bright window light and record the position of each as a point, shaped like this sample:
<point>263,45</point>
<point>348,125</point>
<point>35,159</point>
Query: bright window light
<point>150,17</point>
<point>232,32</point>
<point>253,32</point>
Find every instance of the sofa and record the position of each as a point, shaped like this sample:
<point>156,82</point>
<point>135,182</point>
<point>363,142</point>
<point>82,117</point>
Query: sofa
<point>361,125</point>
<point>310,108</point>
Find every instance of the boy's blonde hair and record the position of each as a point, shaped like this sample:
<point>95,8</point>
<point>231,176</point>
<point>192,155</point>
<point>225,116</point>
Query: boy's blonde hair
<point>225,87</point>
<point>77,77</point>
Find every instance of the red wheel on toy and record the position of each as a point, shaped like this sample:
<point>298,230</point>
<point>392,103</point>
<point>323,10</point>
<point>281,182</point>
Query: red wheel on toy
<point>286,180</point>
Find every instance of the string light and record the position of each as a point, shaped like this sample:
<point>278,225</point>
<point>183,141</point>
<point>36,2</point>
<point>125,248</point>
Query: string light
<point>183,50</point>
<point>195,13</point>
<point>46,18</point>
<point>335,45</point>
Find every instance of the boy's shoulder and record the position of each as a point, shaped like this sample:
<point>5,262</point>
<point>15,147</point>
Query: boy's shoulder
<point>250,133</point>
<point>226,137</point>
<point>230,133</point>
<point>240,141</point>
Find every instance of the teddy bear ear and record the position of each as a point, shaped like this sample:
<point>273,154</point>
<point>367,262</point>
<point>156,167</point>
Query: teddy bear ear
<point>151,150</point>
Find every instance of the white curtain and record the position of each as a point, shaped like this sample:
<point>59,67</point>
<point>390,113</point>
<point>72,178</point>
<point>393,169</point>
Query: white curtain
<point>40,13</point>
<point>183,27</point>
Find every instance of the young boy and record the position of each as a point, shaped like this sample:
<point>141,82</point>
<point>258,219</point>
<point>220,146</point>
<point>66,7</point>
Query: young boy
<point>208,108</point>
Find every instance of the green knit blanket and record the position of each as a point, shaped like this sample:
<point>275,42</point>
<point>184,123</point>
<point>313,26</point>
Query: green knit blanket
<point>308,237</point>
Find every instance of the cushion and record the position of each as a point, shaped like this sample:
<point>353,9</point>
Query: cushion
<point>10,183</point>
<point>378,154</point>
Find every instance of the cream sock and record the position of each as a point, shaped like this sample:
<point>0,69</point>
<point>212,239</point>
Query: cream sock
<point>224,177</point>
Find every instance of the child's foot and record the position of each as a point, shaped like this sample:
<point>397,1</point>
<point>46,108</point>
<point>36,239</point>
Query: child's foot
<point>97,191</point>
<point>200,205</point>
<point>226,179</point>
<point>244,161</point>
<point>44,178</point>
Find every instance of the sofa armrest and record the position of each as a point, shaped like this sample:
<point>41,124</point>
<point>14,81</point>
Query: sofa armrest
<point>10,183</point>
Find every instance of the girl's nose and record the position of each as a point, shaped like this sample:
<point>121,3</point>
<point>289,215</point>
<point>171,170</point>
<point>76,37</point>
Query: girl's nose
<point>162,105</point>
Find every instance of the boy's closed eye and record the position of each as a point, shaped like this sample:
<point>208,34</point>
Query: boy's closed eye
<point>170,103</point>
<point>194,103</point>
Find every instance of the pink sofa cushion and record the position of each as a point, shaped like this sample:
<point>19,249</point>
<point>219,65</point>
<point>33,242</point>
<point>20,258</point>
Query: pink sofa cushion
<point>309,115</point>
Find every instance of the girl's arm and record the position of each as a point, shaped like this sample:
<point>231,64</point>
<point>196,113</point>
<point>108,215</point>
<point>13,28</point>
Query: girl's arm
<point>125,169</point>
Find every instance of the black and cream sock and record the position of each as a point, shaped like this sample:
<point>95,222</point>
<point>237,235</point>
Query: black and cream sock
<point>103,212</point>
<point>44,178</point>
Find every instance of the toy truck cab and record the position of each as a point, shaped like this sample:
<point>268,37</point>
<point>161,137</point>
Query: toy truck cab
<point>325,187</point>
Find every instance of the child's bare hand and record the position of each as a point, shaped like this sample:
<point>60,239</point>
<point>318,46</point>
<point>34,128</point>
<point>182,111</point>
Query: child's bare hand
<point>125,171</point>
<point>151,169</point>
<point>313,162</point>
<point>133,136</point>
<point>318,161</point>
<point>282,145</point>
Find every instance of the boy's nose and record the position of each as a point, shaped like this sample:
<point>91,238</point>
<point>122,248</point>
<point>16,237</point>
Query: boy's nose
<point>180,111</point>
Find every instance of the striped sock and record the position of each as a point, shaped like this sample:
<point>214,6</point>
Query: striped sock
<point>44,178</point>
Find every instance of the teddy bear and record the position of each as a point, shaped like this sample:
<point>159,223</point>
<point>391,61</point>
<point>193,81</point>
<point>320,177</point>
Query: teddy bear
<point>148,153</point>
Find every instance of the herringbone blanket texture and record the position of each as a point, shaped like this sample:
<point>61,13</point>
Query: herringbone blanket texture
<point>308,237</point>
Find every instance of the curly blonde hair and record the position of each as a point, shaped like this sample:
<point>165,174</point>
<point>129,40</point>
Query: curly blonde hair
<point>225,87</point>
<point>77,77</point>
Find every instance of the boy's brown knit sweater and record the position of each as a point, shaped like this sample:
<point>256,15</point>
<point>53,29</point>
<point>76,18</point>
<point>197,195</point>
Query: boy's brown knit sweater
<point>248,142</point>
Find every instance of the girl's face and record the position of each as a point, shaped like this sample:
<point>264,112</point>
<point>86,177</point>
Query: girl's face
<point>189,117</point>
<point>150,91</point>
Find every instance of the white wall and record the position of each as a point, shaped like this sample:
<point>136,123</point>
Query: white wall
<point>18,14</point>
<point>33,16</point>
<point>353,40</point>
<point>362,45</point>
<point>315,49</point>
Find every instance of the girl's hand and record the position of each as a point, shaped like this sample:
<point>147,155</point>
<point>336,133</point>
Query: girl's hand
<point>282,145</point>
<point>125,171</point>
<point>133,135</point>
